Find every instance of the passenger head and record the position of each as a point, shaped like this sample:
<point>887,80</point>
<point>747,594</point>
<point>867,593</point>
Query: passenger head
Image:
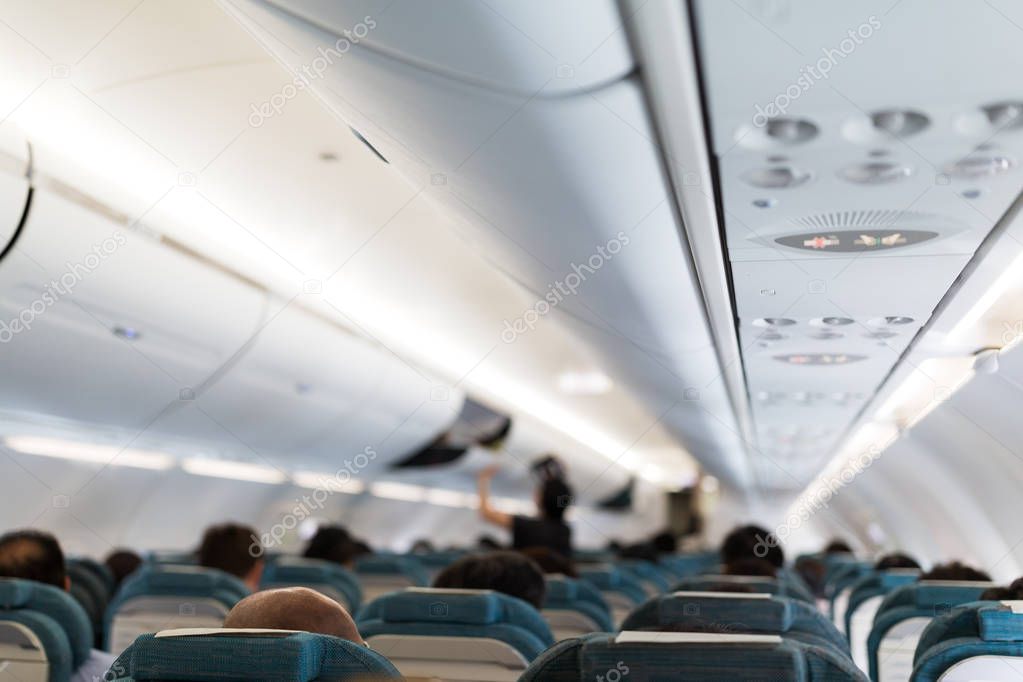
<point>751,567</point>
<point>122,563</point>
<point>665,542</point>
<point>487,542</point>
<point>422,546</point>
<point>896,560</point>
<point>752,542</point>
<point>508,572</point>
<point>955,570</point>
<point>838,547</point>
<point>293,608</point>
<point>644,551</point>
<point>737,588</point>
<point>33,555</point>
<point>998,594</point>
<point>553,498</point>
<point>551,562</point>
<point>333,543</point>
<point>235,549</point>
<point>812,571</point>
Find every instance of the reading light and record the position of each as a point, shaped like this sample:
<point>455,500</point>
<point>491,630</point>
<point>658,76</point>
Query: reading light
<point>238,471</point>
<point>90,452</point>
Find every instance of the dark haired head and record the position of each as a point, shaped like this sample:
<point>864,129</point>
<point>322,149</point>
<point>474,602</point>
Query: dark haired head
<point>333,543</point>
<point>812,571</point>
<point>122,563</point>
<point>665,542</point>
<point>752,542</point>
<point>998,594</point>
<point>838,547</point>
<point>488,542</point>
<point>955,570</point>
<point>643,551</point>
<point>737,588</point>
<point>551,562</point>
<point>508,572</point>
<point>32,555</point>
<point>555,496</point>
<point>896,560</point>
<point>753,567</point>
<point>232,548</point>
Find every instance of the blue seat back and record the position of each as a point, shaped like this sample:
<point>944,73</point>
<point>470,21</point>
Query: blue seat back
<point>988,628</point>
<point>655,578</point>
<point>379,574</point>
<point>445,619</point>
<point>158,596</point>
<point>90,591</point>
<point>688,656</point>
<point>327,577</point>
<point>903,614</point>
<point>737,614</point>
<point>248,655</point>
<point>865,598</point>
<point>622,591</point>
<point>579,596</point>
<point>707,583</point>
<point>57,622</point>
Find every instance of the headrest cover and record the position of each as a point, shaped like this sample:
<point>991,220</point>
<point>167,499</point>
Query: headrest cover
<point>480,608</point>
<point>716,614</point>
<point>14,594</point>
<point>1000,625</point>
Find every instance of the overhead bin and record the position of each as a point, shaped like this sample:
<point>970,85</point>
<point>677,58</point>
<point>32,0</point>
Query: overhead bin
<point>563,193</point>
<point>105,312</point>
<point>520,46</point>
<point>14,186</point>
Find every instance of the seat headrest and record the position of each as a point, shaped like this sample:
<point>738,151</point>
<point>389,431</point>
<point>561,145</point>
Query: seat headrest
<point>562,589</point>
<point>699,611</point>
<point>190,579</point>
<point>930,594</point>
<point>469,607</point>
<point>1001,623</point>
<point>212,655</point>
<point>26,595</point>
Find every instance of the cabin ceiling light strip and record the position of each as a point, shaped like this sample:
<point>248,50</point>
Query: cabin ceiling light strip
<point>329,482</point>
<point>926,387</point>
<point>111,455</point>
<point>1010,278</point>
<point>239,471</point>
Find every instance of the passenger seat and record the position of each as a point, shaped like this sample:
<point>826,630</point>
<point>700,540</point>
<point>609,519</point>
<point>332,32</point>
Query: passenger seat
<point>44,633</point>
<point>448,634</point>
<point>157,597</point>
<point>382,573</point>
<point>978,641</point>
<point>574,607</point>
<point>203,655</point>
<point>688,656</point>
<point>326,577</point>
<point>622,591</point>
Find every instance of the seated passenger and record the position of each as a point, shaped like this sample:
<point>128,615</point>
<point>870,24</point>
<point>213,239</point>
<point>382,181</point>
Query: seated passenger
<point>955,570</point>
<point>751,567</point>
<point>998,594</point>
<point>229,548</point>
<point>813,571</point>
<point>752,542</point>
<point>665,542</point>
<point>896,560</point>
<point>34,555</point>
<point>507,572</point>
<point>487,543</point>
<point>422,546</point>
<point>122,563</point>
<point>550,562</point>
<point>837,547</point>
<point>333,543</point>
<point>294,608</point>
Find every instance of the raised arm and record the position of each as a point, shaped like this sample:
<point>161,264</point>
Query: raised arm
<point>488,513</point>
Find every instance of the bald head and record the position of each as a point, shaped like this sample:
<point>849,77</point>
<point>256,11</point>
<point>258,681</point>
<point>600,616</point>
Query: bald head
<point>293,608</point>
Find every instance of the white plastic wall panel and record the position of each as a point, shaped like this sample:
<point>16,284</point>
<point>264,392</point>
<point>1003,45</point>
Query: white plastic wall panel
<point>514,45</point>
<point>189,318</point>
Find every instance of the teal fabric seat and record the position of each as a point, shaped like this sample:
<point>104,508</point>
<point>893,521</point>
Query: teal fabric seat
<point>916,601</point>
<point>327,577</point>
<point>685,565</point>
<point>407,567</point>
<point>780,587</point>
<point>687,656</point>
<point>256,655</point>
<point>622,590</point>
<point>90,590</point>
<point>977,629</point>
<point>841,579</point>
<point>157,595</point>
<point>458,614</point>
<point>865,597</point>
<point>53,618</point>
<point>579,597</point>
<point>737,614</point>
<point>657,578</point>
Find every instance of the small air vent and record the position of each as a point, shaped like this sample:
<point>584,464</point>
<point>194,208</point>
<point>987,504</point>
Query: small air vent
<point>819,359</point>
<point>873,218</point>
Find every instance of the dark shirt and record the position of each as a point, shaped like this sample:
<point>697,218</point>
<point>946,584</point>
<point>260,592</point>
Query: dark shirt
<point>529,532</point>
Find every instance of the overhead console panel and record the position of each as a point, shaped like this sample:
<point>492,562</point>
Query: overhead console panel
<point>861,164</point>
